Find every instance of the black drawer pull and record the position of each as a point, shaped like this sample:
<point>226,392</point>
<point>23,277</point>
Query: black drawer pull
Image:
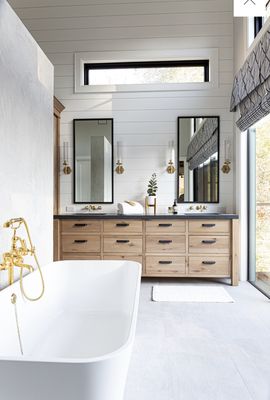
<point>80,241</point>
<point>165,262</point>
<point>208,262</point>
<point>208,225</point>
<point>209,241</point>
<point>164,225</point>
<point>165,241</point>
<point>122,224</point>
<point>122,241</point>
<point>80,225</point>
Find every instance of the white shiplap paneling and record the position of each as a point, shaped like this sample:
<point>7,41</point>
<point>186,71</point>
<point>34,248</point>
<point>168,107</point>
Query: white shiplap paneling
<point>143,122</point>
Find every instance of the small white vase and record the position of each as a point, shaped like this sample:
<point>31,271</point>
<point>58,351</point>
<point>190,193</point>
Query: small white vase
<point>151,200</point>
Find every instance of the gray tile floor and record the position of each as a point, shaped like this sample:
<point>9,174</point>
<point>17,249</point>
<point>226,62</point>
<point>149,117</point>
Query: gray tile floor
<point>186,351</point>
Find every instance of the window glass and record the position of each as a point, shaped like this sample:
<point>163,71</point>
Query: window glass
<point>146,73</point>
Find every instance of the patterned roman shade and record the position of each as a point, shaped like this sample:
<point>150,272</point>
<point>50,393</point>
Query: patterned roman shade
<point>204,143</point>
<point>251,88</point>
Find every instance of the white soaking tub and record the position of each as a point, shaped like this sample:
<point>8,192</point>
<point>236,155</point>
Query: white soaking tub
<point>77,339</point>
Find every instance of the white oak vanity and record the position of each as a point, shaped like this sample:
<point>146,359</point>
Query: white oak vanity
<point>167,246</point>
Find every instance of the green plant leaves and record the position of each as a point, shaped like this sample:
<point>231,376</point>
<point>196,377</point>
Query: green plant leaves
<point>152,185</point>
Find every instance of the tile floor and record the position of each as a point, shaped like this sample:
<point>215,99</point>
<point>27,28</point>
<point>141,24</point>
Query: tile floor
<point>186,351</point>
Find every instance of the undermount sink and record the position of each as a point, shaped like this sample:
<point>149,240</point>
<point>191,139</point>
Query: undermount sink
<point>89,213</point>
<point>202,213</point>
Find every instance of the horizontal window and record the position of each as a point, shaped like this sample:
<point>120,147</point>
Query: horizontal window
<point>148,72</point>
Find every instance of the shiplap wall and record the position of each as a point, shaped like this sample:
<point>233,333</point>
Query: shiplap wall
<point>144,122</point>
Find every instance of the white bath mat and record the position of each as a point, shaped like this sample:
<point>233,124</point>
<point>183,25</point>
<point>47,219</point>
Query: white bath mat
<point>191,294</point>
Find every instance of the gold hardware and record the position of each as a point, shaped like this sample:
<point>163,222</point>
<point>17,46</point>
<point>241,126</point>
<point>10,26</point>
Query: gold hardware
<point>119,168</point>
<point>190,208</point>
<point>15,257</point>
<point>201,208</point>
<point>226,167</point>
<point>171,168</point>
<point>13,300</point>
<point>91,207</point>
<point>67,169</point>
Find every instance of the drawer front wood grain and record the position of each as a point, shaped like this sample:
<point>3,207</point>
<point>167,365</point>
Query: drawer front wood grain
<point>209,265</point>
<point>122,244</point>
<point>81,244</point>
<point>209,226</point>
<point>165,266</point>
<point>166,244</point>
<point>165,226</point>
<point>120,226</point>
<point>81,226</point>
<point>209,244</point>
<point>80,256</point>
<point>123,257</point>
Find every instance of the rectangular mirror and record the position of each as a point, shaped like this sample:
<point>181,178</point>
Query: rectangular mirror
<point>93,160</point>
<point>198,160</point>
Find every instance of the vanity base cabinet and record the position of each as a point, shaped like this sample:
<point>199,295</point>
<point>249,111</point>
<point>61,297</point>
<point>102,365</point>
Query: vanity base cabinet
<point>166,248</point>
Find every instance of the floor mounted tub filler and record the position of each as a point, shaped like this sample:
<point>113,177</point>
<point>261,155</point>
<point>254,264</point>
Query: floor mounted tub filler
<point>77,339</point>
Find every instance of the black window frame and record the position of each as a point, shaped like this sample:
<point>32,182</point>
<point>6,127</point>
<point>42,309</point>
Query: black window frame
<point>146,64</point>
<point>258,24</point>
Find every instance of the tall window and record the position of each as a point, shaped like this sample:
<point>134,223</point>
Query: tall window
<point>148,72</point>
<point>259,204</point>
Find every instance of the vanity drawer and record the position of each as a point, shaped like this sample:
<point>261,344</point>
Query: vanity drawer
<point>123,257</point>
<point>80,244</point>
<point>122,244</point>
<point>122,226</point>
<point>166,244</point>
<point>80,256</point>
<point>81,226</point>
<point>209,265</point>
<point>165,266</point>
<point>209,244</point>
<point>166,226</point>
<point>210,226</point>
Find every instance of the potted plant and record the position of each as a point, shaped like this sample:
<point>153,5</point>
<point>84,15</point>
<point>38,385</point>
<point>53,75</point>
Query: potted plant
<point>152,190</point>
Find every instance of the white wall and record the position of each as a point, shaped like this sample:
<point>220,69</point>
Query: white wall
<point>144,122</point>
<point>26,141</point>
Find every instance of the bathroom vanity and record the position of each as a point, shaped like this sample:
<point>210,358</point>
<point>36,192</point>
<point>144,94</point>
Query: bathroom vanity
<point>200,245</point>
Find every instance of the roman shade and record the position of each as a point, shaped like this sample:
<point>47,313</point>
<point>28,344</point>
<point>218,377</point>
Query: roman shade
<point>204,143</point>
<point>251,87</point>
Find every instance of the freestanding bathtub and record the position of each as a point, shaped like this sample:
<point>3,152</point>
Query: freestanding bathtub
<point>77,339</point>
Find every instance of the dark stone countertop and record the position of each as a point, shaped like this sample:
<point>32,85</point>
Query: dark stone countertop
<point>146,217</point>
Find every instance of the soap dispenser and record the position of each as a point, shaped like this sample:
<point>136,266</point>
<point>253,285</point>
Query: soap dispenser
<point>175,208</point>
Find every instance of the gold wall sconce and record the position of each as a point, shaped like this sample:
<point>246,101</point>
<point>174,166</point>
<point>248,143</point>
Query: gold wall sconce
<point>171,168</point>
<point>227,155</point>
<point>119,168</point>
<point>67,168</point>
<point>119,165</point>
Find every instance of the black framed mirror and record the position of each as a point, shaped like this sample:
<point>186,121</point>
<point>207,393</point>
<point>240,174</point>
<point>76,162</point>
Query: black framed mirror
<point>198,159</point>
<point>93,160</point>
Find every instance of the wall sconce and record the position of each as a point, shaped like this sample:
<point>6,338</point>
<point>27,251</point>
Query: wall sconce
<point>67,169</point>
<point>171,168</point>
<point>227,155</point>
<point>119,165</point>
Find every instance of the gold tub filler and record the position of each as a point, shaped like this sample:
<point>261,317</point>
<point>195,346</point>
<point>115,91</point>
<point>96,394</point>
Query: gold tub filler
<point>15,257</point>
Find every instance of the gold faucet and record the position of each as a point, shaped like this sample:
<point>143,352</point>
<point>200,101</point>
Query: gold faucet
<point>91,207</point>
<point>201,208</point>
<point>15,257</point>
